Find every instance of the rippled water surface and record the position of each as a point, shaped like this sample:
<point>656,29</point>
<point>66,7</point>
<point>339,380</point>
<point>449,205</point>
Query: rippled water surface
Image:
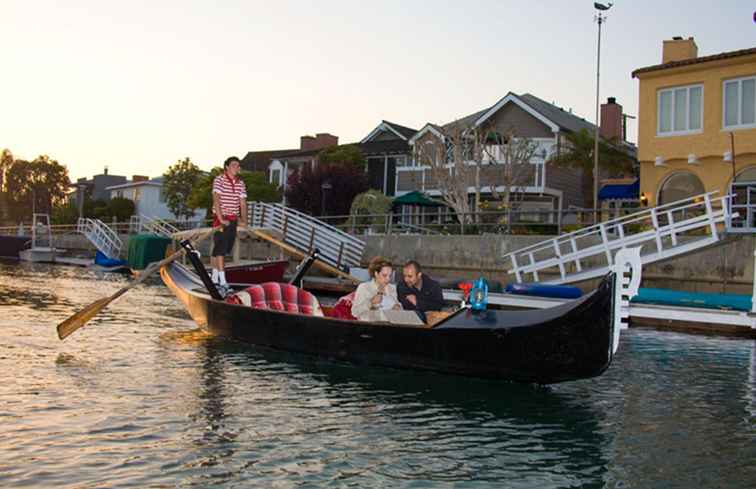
<point>141,398</point>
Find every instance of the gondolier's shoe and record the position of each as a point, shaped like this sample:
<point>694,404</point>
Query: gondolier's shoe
<point>223,289</point>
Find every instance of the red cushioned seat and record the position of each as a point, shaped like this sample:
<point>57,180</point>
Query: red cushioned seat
<point>279,297</point>
<point>343,307</point>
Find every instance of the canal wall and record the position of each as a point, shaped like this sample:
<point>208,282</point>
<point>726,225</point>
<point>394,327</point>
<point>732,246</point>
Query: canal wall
<point>726,267</point>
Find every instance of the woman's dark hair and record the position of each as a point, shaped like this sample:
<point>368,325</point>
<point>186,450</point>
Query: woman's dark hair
<point>376,264</point>
<point>230,160</point>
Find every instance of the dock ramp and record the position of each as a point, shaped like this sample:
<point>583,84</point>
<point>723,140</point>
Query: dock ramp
<point>662,232</point>
<point>101,236</point>
<point>305,233</point>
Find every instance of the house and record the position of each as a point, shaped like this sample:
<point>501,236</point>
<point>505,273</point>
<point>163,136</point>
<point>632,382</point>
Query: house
<point>95,187</point>
<point>386,148</point>
<point>283,162</point>
<point>697,127</point>
<point>148,197</point>
<point>545,187</point>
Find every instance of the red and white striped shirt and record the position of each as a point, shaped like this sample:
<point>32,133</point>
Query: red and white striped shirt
<point>230,191</point>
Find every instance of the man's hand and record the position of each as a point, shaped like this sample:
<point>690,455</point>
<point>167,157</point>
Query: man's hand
<point>412,299</point>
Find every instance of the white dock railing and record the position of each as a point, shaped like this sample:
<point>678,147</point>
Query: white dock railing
<point>144,224</point>
<point>306,233</point>
<point>101,236</point>
<point>661,232</point>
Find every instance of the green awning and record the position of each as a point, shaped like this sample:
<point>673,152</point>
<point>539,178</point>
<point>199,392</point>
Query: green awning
<point>416,198</point>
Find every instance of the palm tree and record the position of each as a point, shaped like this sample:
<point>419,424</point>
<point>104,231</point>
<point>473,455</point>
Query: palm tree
<point>578,154</point>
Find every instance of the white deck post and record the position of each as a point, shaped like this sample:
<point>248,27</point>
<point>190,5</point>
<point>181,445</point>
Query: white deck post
<point>710,215</point>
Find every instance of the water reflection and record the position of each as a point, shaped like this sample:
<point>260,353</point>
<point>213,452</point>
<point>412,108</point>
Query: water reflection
<point>140,398</point>
<point>384,423</point>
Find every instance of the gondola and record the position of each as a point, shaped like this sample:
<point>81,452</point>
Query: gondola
<point>576,340</point>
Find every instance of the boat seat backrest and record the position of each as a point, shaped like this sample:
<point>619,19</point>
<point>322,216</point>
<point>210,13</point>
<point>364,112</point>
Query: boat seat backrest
<point>279,297</point>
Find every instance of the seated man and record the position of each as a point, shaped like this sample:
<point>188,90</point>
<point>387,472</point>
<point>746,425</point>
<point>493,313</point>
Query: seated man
<point>419,292</point>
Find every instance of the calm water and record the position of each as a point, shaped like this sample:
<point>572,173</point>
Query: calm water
<point>140,398</point>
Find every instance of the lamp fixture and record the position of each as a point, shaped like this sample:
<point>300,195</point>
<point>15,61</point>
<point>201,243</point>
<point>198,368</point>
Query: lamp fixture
<point>727,157</point>
<point>692,160</point>
<point>659,161</point>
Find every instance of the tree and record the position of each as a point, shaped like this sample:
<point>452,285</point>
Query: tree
<point>305,191</point>
<point>366,206</point>
<point>462,156</point>
<point>120,208</point>
<point>6,160</point>
<point>578,154</point>
<point>35,186</point>
<point>178,183</point>
<point>342,155</point>
<point>258,189</point>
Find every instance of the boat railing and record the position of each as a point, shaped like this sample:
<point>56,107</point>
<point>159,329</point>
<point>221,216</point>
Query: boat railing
<point>307,233</point>
<point>663,231</point>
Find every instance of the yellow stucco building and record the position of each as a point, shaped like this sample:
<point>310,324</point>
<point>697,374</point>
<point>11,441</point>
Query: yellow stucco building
<point>693,112</point>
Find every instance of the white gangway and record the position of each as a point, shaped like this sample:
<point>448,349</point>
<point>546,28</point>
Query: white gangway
<point>101,236</point>
<point>661,232</point>
<point>306,233</point>
<point>153,225</point>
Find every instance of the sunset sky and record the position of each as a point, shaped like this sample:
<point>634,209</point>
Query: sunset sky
<point>137,85</point>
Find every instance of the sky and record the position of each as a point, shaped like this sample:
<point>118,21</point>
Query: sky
<point>137,85</point>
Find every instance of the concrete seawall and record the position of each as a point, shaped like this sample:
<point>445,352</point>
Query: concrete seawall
<point>724,267</point>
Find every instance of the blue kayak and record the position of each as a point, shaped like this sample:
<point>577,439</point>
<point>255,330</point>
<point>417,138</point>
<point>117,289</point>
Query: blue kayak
<point>545,290</point>
<point>668,297</point>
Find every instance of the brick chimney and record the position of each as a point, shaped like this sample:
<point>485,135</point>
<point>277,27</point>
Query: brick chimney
<point>323,140</point>
<point>610,127</point>
<point>679,49</point>
<point>319,141</point>
<point>139,178</point>
<point>306,143</point>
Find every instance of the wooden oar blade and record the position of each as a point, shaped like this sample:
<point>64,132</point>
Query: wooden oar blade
<point>82,317</point>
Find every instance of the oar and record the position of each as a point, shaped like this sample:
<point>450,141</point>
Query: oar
<point>85,315</point>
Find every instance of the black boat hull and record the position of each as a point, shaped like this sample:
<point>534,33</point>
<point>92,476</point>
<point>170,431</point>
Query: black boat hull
<point>11,246</point>
<point>570,342</point>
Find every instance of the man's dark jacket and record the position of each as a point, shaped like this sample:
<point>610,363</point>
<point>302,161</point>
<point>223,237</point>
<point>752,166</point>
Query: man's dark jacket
<point>429,298</point>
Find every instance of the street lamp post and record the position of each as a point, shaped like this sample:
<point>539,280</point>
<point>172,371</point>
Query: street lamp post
<point>323,188</point>
<point>600,19</point>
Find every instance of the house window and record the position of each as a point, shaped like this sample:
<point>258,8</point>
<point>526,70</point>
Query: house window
<point>680,110</point>
<point>402,161</point>
<point>137,194</point>
<point>740,103</point>
<point>680,186</point>
<point>162,195</point>
<point>119,194</point>
<point>275,177</point>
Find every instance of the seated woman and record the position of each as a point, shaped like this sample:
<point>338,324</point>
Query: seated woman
<point>376,295</point>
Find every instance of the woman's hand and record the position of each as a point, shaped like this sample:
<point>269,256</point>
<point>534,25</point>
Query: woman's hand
<point>377,298</point>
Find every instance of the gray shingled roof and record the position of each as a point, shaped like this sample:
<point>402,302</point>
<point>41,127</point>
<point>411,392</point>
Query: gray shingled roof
<point>559,116</point>
<point>405,131</point>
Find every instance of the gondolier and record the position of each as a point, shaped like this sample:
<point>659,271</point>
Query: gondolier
<point>229,212</point>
